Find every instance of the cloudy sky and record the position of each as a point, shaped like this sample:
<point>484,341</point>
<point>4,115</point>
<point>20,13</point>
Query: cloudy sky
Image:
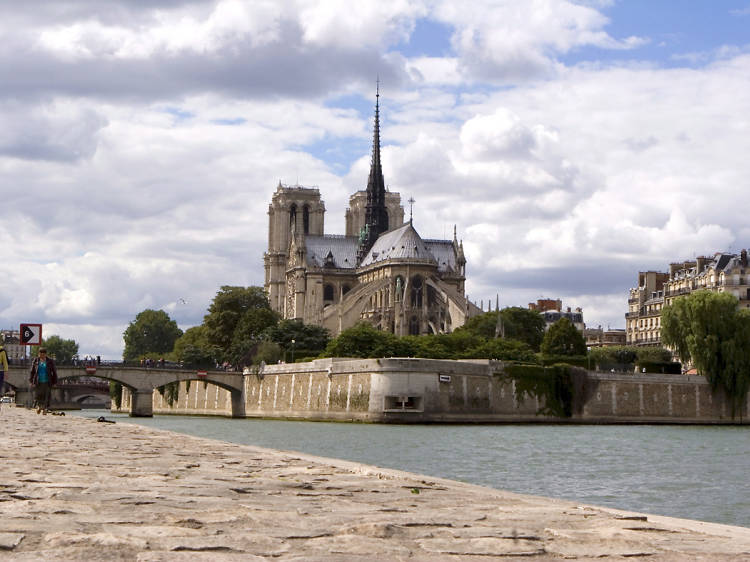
<point>572,143</point>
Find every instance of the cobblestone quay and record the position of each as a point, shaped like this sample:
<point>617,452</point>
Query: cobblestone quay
<point>76,489</point>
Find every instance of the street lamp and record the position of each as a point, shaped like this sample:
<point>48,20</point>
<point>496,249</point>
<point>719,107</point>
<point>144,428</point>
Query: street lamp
<point>293,342</point>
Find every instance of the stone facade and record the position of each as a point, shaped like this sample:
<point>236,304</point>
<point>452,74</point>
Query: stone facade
<point>400,390</point>
<point>724,272</point>
<point>381,271</point>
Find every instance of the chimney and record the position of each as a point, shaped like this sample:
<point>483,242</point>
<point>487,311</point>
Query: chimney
<point>700,264</point>
<point>743,258</point>
<point>674,268</point>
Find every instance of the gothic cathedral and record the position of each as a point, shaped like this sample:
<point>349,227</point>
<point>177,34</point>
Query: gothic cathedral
<point>381,271</point>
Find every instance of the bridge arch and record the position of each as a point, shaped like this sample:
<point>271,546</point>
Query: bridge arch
<point>141,382</point>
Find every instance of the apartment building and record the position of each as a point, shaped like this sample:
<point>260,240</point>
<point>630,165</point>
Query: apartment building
<point>552,311</point>
<point>11,340</point>
<point>724,272</point>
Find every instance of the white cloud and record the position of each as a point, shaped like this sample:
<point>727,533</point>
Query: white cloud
<point>140,149</point>
<point>517,40</point>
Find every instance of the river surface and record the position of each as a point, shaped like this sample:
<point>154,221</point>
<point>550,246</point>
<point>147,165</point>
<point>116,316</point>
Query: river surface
<point>695,472</point>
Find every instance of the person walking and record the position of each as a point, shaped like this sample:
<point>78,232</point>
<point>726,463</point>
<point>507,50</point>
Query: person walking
<point>3,368</point>
<point>43,376</point>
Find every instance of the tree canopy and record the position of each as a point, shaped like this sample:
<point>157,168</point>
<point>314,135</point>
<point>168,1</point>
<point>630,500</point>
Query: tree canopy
<point>152,331</point>
<point>309,340</point>
<point>516,323</point>
<point>193,348</point>
<point>563,338</point>
<point>523,325</point>
<point>236,318</point>
<point>61,349</point>
<point>363,340</point>
<point>709,330</point>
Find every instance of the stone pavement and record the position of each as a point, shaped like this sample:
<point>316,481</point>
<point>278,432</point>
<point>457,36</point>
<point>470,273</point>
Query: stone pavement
<point>76,489</point>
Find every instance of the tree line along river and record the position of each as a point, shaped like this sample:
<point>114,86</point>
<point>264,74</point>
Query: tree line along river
<point>695,472</point>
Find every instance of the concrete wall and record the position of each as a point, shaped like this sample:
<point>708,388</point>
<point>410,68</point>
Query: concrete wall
<point>424,391</point>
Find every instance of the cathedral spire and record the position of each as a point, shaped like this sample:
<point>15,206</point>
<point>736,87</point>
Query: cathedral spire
<point>376,214</point>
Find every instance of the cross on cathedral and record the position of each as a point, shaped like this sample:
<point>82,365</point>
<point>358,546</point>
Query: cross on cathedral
<point>411,208</point>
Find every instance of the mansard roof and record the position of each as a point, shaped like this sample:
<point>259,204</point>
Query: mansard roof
<point>332,250</point>
<point>402,243</point>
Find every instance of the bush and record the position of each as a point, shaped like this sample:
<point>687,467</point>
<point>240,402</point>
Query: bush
<point>664,367</point>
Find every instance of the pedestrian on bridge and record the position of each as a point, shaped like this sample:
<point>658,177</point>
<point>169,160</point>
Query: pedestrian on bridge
<point>43,376</point>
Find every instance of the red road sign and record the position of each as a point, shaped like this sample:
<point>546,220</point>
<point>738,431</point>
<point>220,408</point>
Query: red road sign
<point>202,373</point>
<point>90,370</point>
<point>31,334</point>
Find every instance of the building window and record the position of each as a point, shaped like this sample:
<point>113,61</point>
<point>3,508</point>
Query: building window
<point>306,219</point>
<point>293,215</point>
<point>416,291</point>
<point>328,293</point>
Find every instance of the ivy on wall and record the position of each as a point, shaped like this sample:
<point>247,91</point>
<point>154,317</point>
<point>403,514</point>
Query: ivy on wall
<point>115,393</point>
<point>170,392</point>
<point>552,385</point>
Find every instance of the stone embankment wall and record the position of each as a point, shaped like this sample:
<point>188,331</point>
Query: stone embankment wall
<point>423,390</point>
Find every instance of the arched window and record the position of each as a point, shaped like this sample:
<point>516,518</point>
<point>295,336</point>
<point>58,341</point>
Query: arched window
<point>306,219</point>
<point>328,293</point>
<point>292,215</point>
<point>413,326</point>
<point>416,291</point>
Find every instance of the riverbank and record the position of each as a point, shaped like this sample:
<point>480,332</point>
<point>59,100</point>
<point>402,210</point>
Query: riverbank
<point>76,489</point>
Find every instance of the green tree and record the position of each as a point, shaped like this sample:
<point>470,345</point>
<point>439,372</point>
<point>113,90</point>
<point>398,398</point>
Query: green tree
<point>710,331</point>
<point>524,325</point>
<point>503,349</point>
<point>484,325</point>
<point>152,331</point>
<point>309,340</point>
<point>61,349</point>
<point>516,323</point>
<point>248,334</point>
<point>193,348</point>
<point>225,312</point>
<point>653,354</point>
<point>362,340</point>
<point>563,338</point>
<point>267,352</point>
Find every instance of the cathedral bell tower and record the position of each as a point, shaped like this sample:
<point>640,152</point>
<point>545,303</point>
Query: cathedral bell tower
<point>294,210</point>
<point>376,212</point>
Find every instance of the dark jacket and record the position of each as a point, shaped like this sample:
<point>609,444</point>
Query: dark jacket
<point>51,371</point>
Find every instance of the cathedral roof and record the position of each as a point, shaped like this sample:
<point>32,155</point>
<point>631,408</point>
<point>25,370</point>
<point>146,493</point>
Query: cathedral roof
<point>444,253</point>
<point>331,250</point>
<point>403,243</point>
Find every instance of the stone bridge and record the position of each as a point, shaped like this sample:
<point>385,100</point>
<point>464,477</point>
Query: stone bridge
<point>139,380</point>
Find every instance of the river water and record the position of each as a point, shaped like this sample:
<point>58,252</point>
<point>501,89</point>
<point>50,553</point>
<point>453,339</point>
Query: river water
<point>695,472</point>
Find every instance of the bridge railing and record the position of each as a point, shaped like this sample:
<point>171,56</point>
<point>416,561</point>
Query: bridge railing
<point>115,364</point>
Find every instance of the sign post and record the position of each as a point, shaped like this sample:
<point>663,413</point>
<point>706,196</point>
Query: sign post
<point>31,334</point>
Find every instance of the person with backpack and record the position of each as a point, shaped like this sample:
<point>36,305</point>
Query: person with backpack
<point>43,376</point>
